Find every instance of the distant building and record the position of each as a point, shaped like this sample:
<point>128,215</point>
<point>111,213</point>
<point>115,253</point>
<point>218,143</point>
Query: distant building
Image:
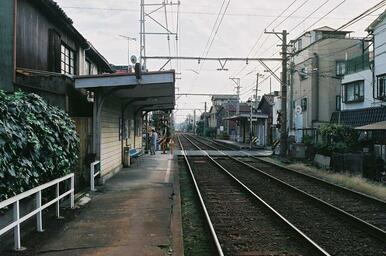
<point>317,67</point>
<point>270,106</point>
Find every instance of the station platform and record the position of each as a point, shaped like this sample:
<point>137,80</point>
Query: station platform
<point>237,145</point>
<point>135,213</point>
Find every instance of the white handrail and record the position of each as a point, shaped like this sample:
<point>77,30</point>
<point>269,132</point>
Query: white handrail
<point>15,201</point>
<point>93,174</point>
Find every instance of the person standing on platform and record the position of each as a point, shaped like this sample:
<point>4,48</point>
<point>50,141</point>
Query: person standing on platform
<point>153,142</point>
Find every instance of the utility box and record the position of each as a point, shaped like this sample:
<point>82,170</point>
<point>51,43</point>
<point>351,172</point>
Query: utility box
<point>126,156</point>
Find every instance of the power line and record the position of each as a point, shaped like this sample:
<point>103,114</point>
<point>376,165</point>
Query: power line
<point>297,9</point>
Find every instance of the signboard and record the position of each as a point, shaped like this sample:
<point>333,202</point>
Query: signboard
<point>298,124</point>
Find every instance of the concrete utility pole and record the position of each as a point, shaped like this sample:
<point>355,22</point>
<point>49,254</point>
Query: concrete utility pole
<point>204,121</point>
<point>257,88</point>
<point>237,81</point>
<point>283,131</point>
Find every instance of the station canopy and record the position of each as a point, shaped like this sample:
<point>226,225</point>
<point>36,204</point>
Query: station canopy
<point>154,91</point>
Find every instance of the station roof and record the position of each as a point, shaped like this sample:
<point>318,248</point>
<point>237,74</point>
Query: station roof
<point>155,91</point>
<point>247,116</point>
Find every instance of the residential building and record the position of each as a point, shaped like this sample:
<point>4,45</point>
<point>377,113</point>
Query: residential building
<point>317,67</point>
<point>41,53</point>
<point>270,105</point>
<point>363,86</point>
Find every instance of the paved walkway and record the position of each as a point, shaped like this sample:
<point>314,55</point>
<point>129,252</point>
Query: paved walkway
<point>130,215</point>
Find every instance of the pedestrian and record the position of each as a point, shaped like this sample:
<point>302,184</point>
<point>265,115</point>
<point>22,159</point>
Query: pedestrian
<point>153,142</point>
<point>166,139</point>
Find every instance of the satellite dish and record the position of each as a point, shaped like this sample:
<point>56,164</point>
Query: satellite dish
<point>133,59</point>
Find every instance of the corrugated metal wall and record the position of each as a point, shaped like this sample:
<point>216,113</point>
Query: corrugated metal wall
<point>111,146</point>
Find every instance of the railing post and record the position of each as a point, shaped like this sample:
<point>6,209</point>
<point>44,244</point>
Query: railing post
<point>72,192</point>
<point>16,229</point>
<point>92,181</point>
<point>58,202</point>
<point>39,219</point>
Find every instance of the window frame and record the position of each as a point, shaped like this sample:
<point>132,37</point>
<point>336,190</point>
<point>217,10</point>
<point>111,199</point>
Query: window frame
<point>381,95</point>
<point>67,60</point>
<point>339,71</point>
<point>359,87</point>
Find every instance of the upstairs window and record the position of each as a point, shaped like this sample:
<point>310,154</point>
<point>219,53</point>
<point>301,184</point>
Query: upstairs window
<point>67,60</point>
<point>354,92</point>
<point>300,44</point>
<point>340,68</point>
<point>381,87</point>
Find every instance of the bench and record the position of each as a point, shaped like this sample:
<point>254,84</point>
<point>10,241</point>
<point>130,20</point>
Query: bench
<point>134,153</point>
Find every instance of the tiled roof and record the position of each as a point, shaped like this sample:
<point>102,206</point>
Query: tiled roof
<point>56,8</point>
<point>359,117</point>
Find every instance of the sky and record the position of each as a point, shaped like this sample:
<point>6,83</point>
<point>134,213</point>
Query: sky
<point>242,28</point>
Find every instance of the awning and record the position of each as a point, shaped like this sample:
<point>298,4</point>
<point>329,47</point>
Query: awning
<point>155,91</point>
<point>380,126</point>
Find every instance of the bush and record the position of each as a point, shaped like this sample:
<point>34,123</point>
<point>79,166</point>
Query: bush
<point>38,143</point>
<point>337,139</point>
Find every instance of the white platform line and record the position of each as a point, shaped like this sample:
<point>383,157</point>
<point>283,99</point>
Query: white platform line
<point>167,174</point>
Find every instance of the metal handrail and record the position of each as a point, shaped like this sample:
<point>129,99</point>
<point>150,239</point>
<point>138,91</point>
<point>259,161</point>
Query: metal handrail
<point>15,201</point>
<point>93,174</point>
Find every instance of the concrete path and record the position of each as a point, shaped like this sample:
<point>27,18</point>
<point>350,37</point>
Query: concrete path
<point>130,215</point>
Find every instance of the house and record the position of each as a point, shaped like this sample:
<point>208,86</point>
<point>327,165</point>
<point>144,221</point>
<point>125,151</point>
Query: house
<point>221,105</point>
<point>270,106</point>
<point>241,123</point>
<point>41,53</point>
<point>317,67</point>
<point>363,86</point>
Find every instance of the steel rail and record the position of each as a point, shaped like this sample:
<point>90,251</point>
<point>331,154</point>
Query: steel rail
<point>364,225</point>
<point>270,208</point>
<point>211,227</point>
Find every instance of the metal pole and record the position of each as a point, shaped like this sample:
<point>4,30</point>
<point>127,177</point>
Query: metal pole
<point>283,135</point>
<point>39,219</point>
<point>250,128</point>
<point>257,89</point>
<point>204,121</point>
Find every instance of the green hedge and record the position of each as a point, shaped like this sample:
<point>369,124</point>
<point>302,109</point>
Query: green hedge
<point>38,143</point>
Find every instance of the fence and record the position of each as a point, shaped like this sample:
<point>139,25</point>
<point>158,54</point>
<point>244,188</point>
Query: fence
<point>15,202</point>
<point>94,166</point>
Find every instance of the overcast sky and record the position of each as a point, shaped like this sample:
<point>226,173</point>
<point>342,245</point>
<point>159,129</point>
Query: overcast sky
<point>101,21</point>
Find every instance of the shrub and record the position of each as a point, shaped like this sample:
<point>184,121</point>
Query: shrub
<point>337,138</point>
<point>38,143</point>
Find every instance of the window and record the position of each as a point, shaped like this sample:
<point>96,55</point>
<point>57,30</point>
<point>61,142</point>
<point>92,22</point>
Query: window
<point>300,44</point>
<point>340,68</point>
<point>67,60</point>
<point>381,90</point>
<point>338,104</point>
<point>303,104</point>
<point>303,73</point>
<point>354,92</point>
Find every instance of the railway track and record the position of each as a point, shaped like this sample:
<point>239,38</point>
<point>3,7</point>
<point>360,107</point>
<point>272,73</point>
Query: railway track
<point>362,207</point>
<point>240,222</point>
<point>344,229</point>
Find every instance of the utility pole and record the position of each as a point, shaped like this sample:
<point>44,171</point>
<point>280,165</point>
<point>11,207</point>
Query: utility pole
<point>237,81</point>
<point>257,88</point>
<point>194,122</point>
<point>283,131</point>
<point>204,121</point>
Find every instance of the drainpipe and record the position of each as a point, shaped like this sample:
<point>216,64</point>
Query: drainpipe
<point>317,82</point>
<point>291,110</point>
